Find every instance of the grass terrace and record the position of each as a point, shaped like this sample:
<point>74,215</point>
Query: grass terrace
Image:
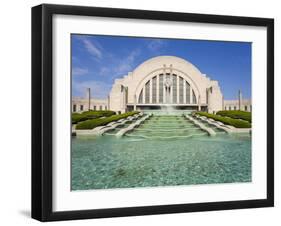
<point>92,123</point>
<point>238,123</point>
<point>244,115</point>
<point>86,115</point>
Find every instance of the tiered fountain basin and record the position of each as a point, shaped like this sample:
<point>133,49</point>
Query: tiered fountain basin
<point>166,149</point>
<point>166,127</point>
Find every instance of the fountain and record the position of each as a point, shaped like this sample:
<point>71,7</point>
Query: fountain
<point>167,148</point>
<point>167,125</point>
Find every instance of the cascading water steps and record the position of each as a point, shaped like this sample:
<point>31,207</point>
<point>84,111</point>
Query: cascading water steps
<point>118,128</point>
<point>216,129</point>
<point>166,127</point>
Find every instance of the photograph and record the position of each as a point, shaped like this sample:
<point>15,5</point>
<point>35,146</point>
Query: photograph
<point>153,112</point>
<point>147,112</point>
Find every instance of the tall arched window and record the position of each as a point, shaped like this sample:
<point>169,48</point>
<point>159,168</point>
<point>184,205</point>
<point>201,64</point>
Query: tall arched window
<point>181,100</point>
<point>194,101</point>
<point>141,97</point>
<point>175,87</point>
<point>156,91</point>
<point>187,88</point>
<point>147,92</point>
<point>161,84</point>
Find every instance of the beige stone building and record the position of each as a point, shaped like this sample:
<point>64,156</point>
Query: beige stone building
<point>246,105</point>
<point>80,104</point>
<point>160,82</point>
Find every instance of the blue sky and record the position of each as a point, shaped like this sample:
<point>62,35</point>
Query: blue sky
<point>98,60</point>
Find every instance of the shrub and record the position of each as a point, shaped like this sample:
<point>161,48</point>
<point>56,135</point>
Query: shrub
<point>92,123</point>
<point>237,115</point>
<point>79,117</point>
<point>228,121</point>
<point>97,114</point>
<point>75,118</point>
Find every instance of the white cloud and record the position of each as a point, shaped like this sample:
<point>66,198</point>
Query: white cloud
<point>93,48</point>
<point>126,64</point>
<point>76,71</point>
<point>156,44</point>
<point>100,89</point>
<point>117,66</point>
<point>104,71</point>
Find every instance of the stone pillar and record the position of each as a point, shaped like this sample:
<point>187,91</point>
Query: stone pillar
<point>126,98</point>
<point>88,96</point>
<point>123,97</point>
<point>178,89</point>
<point>150,91</point>
<point>108,102</point>
<point>240,100</point>
<point>208,99</point>
<point>164,87</point>
<point>171,91</point>
<point>135,102</point>
<point>164,90</point>
<point>172,86</point>
<point>199,103</point>
<point>143,95</point>
<point>171,70</point>
<point>157,89</point>
<point>184,91</point>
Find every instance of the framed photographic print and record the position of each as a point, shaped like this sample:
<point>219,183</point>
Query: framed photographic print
<point>145,112</point>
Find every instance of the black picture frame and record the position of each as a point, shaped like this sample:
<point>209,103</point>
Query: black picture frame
<point>42,107</point>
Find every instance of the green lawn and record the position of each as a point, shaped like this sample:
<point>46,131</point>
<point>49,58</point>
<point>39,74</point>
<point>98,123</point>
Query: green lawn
<point>237,115</point>
<point>92,123</point>
<point>86,115</point>
<point>227,120</point>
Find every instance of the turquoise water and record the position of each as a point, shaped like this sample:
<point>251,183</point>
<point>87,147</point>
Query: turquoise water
<point>167,127</point>
<point>164,151</point>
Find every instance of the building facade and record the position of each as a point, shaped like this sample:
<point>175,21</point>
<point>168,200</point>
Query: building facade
<point>80,104</point>
<point>245,105</point>
<point>160,82</point>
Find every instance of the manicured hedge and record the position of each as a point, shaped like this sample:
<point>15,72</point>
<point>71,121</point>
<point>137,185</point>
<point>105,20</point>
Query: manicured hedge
<point>79,117</point>
<point>237,115</point>
<point>228,121</point>
<point>75,118</point>
<point>92,123</point>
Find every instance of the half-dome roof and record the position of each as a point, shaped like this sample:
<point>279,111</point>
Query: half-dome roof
<point>159,61</point>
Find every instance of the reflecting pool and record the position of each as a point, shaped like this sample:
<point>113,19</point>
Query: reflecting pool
<point>163,151</point>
